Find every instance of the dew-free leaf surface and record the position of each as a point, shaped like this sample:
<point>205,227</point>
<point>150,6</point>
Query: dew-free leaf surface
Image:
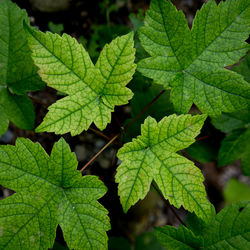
<point>18,74</point>
<point>191,62</point>
<point>230,229</point>
<point>152,156</point>
<point>49,191</point>
<point>93,90</point>
<point>236,146</point>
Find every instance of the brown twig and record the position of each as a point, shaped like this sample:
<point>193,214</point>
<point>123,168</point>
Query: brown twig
<point>99,152</point>
<point>144,109</point>
<point>100,133</point>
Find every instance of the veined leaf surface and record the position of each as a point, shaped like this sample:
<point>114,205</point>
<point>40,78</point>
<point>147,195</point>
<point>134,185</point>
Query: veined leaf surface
<point>152,156</point>
<point>50,191</point>
<point>191,62</point>
<point>93,91</point>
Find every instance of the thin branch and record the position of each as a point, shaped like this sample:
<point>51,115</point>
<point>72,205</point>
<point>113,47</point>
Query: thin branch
<point>100,133</point>
<point>168,204</point>
<point>99,152</point>
<point>145,108</point>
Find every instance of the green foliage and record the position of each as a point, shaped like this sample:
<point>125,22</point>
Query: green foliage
<point>191,62</point>
<point>244,67</point>
<point>56,28</point>
<point>153,156</point>
<point>236,191</point>
<point>235,146</point>
<point>230,229</point>
<point>184,66</point>
<point>230,121</point>
<point>202,152</point>
<point>17,71</point>
<point>93,91</point>
<point>103,34</point>
<point>50,191</point>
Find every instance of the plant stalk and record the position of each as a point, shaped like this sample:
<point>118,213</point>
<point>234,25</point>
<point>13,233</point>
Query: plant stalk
<point>99,152</point>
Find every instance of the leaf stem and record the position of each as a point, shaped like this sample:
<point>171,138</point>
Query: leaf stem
<point>144,109</point>
<point>116,136</point>
<point>100,133</point>
<point>99,152</point>
<point>168,204</point>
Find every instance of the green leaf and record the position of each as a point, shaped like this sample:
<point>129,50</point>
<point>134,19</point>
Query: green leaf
<point>236,191</point>
<point>202,152</point>
<point>56,28</point>
<point>235,146</point>
<point>230,229</point>
<point>93,91</point>
<point>18,109</point>
<point>50,191</point>
<point>17,70</point>
<point>244,67</point>
<point>18,73</point>
<point>4,121</point>
<point>230,121</point>
<point>191,62</point>
<point>143,95</point>
<point>153,156</point>
<point>147,241</point>
<point>177,238</point>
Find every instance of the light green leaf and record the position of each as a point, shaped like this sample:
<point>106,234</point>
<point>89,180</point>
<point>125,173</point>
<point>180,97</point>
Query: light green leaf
<point>191,62</point>
<point>50,191</point>
<point>28,221</point>
<point>229,229</point>
<point>236,191</point>
<point>153,156</point>
<point>17,70</point>
<point>93,91</point>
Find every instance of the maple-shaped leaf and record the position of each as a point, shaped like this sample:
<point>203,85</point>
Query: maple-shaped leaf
<point>18,73</point>
<point>93,91</point>
<point>152,156</point>
<point>49,191</point>
<point>229,229</point>
<point>191,62</point>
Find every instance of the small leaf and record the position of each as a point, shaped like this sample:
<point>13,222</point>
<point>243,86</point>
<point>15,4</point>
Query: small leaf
<point>153,156</point>
<point>50,191</point>
<point>93,91</point>
<point>18,109</point>
<point>243,68</point>
<point>236,191</point>
<point>234,146</point>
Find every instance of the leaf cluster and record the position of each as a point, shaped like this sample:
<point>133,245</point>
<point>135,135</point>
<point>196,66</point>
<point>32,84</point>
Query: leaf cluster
<point>185,67</point>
